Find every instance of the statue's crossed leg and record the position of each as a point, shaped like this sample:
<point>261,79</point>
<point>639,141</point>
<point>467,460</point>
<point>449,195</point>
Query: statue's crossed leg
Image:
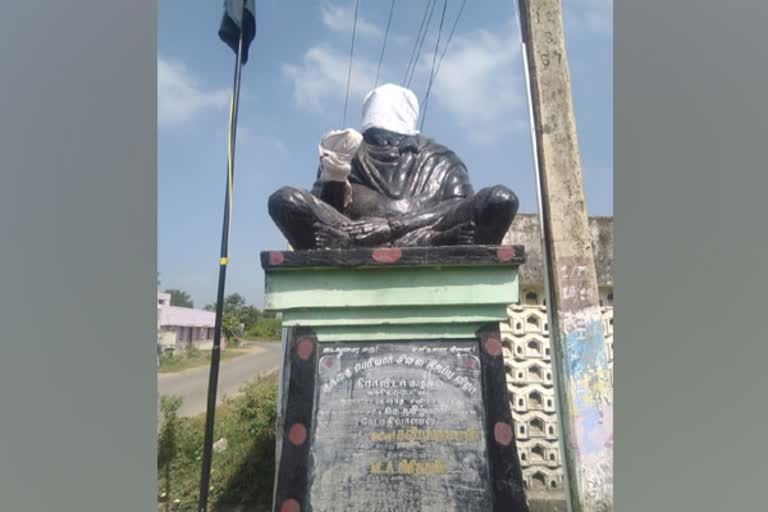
<point>310,223</point>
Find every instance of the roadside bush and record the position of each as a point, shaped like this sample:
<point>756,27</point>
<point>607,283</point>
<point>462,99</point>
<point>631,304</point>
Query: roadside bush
<point>265,328</point>
<point>242,471</point>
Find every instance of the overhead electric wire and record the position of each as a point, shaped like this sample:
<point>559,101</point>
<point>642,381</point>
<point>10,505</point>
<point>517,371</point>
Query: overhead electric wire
<point>384,45</point>
<point>420,45</point>
<point>442,56</point>
<point>416,43</point>
<point>434,64</point>
<point>349,73</point>
<point>450,36</point>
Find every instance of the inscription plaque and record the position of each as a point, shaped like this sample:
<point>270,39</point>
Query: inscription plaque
<point>399,426</point>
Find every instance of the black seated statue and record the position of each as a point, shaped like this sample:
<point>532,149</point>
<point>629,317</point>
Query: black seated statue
<point>402,190</point>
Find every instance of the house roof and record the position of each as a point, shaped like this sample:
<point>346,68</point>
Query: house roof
<point>525,231</point>
<point>174,316</point>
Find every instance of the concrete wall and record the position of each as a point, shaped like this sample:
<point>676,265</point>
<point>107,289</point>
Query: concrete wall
<point>525,231</point>
<point>167,338</point>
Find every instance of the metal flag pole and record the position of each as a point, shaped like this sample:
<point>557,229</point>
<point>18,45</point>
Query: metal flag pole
<point>213,379</point>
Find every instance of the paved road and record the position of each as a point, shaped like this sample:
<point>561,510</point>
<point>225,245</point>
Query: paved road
<point>192,385</point>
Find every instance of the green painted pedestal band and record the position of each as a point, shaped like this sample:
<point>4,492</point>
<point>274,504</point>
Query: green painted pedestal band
<point>376,287</point>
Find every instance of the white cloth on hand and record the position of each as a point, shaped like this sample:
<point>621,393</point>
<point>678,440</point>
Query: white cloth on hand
<point>391,107</point>
<point>336,150</point>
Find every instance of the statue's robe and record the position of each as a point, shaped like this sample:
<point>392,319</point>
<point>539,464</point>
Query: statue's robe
<point>405,171</point>
<point>422,188</point>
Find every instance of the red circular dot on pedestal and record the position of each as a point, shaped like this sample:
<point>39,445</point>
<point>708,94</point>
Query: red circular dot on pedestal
<point>327,362</point>
<point>297,434</point>
<point>290,505</point>
<point>469,362</point>
<point>386,254</point>
<point>305,348</point>
<point>276,258</point>
<point>505,253</point>
<point>492,346</point>
<point>502,432</point>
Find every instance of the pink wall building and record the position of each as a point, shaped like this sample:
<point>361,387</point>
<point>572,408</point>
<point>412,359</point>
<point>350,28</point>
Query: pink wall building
<point>183,327</point>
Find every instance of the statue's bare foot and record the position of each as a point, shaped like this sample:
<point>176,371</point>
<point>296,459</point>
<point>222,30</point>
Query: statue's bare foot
<point>327,237</point>
<point>463,234</point>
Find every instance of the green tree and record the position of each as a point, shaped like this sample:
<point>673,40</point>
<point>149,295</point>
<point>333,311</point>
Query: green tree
<point>253,321</point>
<point>234,303</point>
<point>249,315</point>
<point>180,298</point>
<point>230,327</point>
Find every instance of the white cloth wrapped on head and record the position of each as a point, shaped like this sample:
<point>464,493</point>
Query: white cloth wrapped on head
<point>336,150</point>
<point>391,107</point>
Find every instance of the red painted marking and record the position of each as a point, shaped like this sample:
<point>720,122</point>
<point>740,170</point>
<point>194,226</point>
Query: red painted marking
<point>386,254</point>
<point>305,348</point>
<point>276,258</point>
<point>297,434</point>
<point>327,362</point>
<point>469,362</point>
<point>502,432</point>
<point>290,505</point>
<point>505,253</point>
<point>492,346</point>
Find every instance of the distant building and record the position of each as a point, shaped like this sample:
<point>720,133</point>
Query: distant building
<point>528,355</point>
<point>183,327</point>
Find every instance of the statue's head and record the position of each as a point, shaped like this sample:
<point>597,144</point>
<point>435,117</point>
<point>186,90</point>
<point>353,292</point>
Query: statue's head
<point>391,107</point>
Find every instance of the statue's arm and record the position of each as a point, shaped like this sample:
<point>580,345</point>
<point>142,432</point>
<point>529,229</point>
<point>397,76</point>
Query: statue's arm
<point>330,192</point>
<point>318,186</point>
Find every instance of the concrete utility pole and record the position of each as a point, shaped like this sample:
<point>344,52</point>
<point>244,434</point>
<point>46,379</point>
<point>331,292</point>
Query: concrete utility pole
<point>584,389</point>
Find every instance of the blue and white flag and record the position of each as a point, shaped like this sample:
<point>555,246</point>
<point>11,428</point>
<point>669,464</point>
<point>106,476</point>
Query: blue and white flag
<point>239,17</point>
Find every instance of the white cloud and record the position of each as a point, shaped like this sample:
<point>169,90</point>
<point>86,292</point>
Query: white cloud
<point>480,83</point>
<point>590,16</point>
<point>179,97</point>
<point>261,143</point>
<point>321,79</point>
<point>341,19</point>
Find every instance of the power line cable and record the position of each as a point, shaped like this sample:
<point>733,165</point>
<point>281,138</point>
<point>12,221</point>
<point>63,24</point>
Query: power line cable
<point>384,45</point>
<point>434,64</point>
<point>416,42</point>
<point>450,36</point>
<point>423,38</point>
<point>421,45</point>
<point>349,73</point>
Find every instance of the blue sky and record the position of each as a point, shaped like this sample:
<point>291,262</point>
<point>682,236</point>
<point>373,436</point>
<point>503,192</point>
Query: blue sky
<point>293,91</point>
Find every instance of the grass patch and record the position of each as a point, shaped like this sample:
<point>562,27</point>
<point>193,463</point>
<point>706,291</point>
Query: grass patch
<point>242,473</point>
<point>193,358</point>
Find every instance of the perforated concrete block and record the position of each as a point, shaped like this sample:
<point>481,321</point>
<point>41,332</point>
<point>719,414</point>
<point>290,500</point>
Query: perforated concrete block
<point>530,379</point>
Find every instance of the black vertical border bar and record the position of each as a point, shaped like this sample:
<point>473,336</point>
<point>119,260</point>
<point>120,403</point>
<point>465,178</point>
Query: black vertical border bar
<point>505,470</point>
<point>292,477</point>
